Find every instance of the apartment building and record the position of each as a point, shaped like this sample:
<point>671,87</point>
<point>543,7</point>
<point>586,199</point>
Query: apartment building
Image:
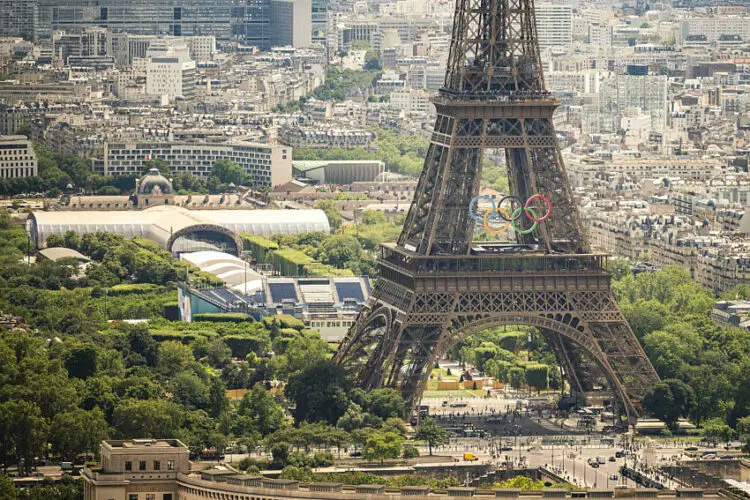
<point>268,164</point>
<point>17,157</point>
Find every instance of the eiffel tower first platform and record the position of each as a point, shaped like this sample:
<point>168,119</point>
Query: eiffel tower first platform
<point>437,285</point>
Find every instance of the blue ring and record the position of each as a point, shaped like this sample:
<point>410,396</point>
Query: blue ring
<point>473,202</point>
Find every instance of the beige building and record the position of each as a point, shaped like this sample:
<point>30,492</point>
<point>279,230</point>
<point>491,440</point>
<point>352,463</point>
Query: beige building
<point>17,157</point>
<point>137,469</point>
<point>147,469</point>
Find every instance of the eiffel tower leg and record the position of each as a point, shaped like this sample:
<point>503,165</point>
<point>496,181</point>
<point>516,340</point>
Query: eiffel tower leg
<point>566,364</point>
<point>367,346</point>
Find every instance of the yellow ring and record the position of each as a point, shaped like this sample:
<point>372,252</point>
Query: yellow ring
<point>500,231</point>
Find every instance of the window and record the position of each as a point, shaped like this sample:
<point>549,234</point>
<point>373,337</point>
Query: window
<point>167,496</point>
<point>142,465</point>
<point>157,465</point>
<point>133,496</point>
<point>170,465</point>
<point>150,496</point>
<point>128,465</point>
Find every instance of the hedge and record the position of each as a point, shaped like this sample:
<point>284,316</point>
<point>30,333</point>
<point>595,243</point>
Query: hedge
<point>222,317</point>
<point>290,262</point>
<point>139,288</point>
<point>259,246</point>
<point>537,376</point>
<point>241,345</point>
<point>284,321</point>
<point>172,311</point>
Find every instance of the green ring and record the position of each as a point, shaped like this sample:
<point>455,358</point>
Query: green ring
<point>516,213</point>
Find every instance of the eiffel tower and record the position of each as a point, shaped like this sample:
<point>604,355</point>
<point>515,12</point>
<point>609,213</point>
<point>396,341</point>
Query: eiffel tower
<point>437,285</point>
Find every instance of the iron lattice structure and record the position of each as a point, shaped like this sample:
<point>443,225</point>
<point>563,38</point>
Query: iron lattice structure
<point>437,286</point>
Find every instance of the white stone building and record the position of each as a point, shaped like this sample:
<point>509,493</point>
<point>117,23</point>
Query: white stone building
<point>17,157</point>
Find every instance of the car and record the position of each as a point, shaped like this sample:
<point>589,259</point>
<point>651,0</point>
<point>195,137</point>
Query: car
<point>614,477</point>
<point>691,448</point>
<point>728,457</point>
<point>355,454</point>
<point>709,456</point>
<point>506,448</point>
<point>612,459</point>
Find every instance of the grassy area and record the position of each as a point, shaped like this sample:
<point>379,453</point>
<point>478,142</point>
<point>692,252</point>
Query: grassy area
<point>444,374</point>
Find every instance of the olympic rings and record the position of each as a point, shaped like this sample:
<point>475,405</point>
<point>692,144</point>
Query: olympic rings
<point>516,213</point>
<point>474,200</point>
<point>512,216</point>
<point>528,208</point>
<point>487,226</point>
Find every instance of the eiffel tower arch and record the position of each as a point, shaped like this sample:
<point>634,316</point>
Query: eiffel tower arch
<point>436,284</point>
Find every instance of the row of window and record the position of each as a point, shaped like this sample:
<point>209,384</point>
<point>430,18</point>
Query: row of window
<point>220,496</point>
<point>149,496</point>
<point>14,173</point>
<point>331,324</point>
<point>142,465</point>
<point>16,154</point>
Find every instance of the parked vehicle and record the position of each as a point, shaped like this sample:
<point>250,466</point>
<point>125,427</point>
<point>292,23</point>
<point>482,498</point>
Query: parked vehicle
<point>470,457</point>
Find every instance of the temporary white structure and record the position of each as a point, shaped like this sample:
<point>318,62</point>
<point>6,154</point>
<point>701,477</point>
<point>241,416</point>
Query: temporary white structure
<point>162,224</point>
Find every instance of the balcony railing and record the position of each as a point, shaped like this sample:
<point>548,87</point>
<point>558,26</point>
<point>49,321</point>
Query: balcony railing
<point>518,263</point>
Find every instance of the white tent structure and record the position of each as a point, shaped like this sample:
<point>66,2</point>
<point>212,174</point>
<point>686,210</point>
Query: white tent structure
<point>234,271</point>
<point>165,224</point>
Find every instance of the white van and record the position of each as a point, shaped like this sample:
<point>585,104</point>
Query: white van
<point>601,459</point>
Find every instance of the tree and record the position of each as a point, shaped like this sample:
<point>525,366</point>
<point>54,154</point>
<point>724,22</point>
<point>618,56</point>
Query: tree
<point>380,446</point>
<point>537,376</point>
<point>295,473</point>
<point>430,431</point>
<point>716,430</point>
<point>339,250</point>
<point>218,353</point>
<point>331,211</point>
<point>217,397</point>
<point>743,431</point>
<point>372,61</point>
<point>386,403</point>
<point>8,490</point>
<point>410,452</point>
<point>319,392</point>
<point>352,419</point>
<point>228,172</point>
<point>668,400</point>
<point>23,433</point>
<point>161,165</point>
<point>174,357</point>
<point>516,376</point>
<point>280,454</point>
<point>151,418</point>
<point>190,391</point>
<point>263,408</point>
<point>78,431</point>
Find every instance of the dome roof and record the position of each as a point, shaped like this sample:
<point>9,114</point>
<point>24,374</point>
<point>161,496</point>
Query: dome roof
<point>154,183</point>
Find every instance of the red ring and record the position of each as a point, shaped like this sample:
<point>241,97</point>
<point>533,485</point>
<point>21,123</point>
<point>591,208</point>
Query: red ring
<point>539,197</point>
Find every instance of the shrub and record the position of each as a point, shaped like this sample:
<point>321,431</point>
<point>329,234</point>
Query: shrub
<point>410,451</point>
<point>258,464</point>
<point>222,317</point>
<point>292,472</point>
<point>138,288</point>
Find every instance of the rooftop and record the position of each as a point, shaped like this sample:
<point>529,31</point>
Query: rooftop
<point>144,443</point>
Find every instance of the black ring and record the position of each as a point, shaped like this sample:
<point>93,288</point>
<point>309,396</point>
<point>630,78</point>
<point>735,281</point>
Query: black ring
<point>500,204</point>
